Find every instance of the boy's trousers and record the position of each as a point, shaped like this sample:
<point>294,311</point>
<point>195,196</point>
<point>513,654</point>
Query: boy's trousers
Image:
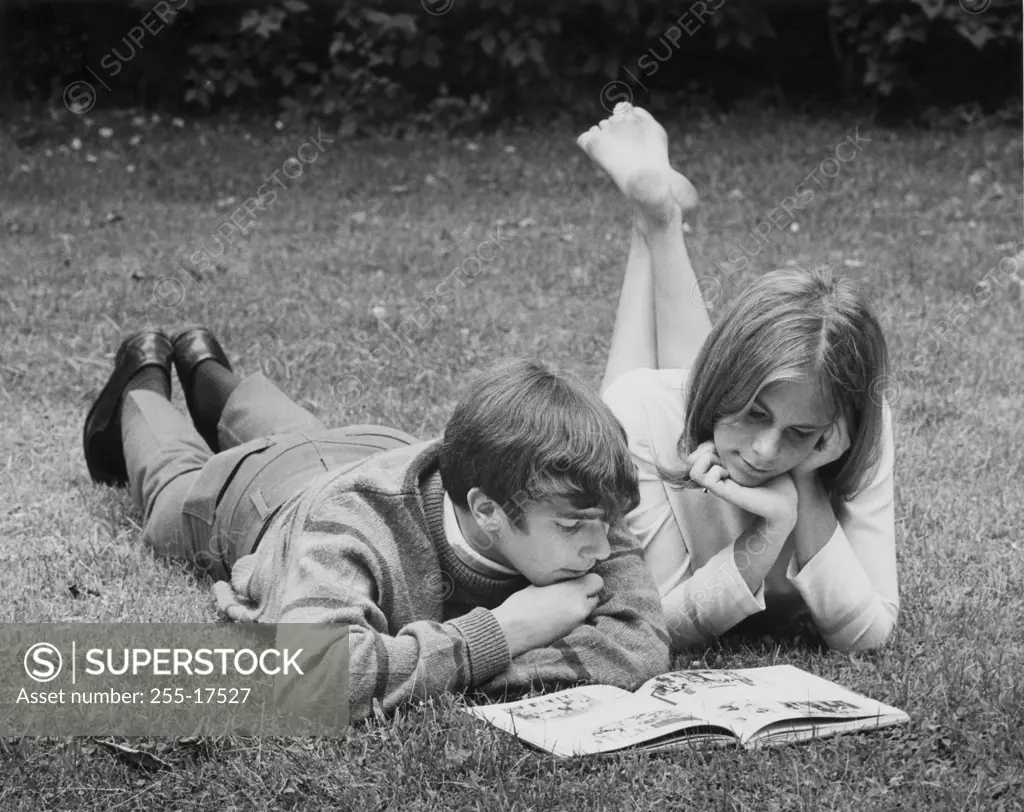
<point>210,509</point>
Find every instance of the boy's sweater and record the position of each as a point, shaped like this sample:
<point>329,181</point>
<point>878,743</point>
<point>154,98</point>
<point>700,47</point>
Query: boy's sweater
<point>366,547</point>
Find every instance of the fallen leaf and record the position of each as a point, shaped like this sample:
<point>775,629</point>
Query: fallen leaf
<point>77,592</point>
<point>134,757</point>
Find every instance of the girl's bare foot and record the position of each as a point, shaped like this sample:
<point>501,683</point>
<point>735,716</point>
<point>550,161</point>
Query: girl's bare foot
<point>633,149</point>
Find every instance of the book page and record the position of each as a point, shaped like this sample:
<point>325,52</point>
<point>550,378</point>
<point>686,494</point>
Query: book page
<point>790,731</point>
<point>589,719</point>
<point>752,699</point>
<point>696,689</point>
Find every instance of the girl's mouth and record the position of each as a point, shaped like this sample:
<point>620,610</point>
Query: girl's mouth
<point>752,468</point>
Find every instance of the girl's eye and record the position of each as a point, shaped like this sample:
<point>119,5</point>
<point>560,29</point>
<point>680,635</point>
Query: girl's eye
<point>757,414</point>
<point>801,435</point>
<point>569,528</point>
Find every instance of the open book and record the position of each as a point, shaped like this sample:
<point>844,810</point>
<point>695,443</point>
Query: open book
<point>752,707</point>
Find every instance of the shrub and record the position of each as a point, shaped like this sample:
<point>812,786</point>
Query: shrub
<point>396,64</point>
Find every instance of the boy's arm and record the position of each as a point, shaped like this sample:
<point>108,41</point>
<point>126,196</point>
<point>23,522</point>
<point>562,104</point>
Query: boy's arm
<point>623,643</point>
<point>327,573</point>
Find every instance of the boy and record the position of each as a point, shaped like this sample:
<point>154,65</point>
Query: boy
<point>495,557</point>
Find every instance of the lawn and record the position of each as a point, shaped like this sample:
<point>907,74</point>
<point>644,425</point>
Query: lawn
<point>97,241</point>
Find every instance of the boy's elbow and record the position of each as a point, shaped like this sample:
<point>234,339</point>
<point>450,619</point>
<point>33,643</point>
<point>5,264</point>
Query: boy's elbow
<point>658,654</point>
<point>644,658</point>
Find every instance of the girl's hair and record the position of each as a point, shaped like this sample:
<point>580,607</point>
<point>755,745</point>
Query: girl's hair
<point>794,325</point>
<point>525,434</point>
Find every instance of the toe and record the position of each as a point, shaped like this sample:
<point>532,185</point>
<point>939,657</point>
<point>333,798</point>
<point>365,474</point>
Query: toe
<point>586,140</point>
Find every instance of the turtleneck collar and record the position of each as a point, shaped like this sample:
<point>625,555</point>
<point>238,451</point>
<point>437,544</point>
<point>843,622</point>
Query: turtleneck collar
<point>427,481</point>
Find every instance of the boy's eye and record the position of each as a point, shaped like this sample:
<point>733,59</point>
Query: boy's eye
<point>757,414</point>
<point>569,527</point>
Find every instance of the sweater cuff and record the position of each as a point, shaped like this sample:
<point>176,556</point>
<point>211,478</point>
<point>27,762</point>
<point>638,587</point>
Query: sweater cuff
<point>833,577</point>
<point>715,598</point>
<point>489,654</point>
<point>829,560</point>
<point>740,602</point>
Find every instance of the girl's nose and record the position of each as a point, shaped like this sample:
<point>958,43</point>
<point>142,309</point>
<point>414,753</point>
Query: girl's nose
<point>766,446</point>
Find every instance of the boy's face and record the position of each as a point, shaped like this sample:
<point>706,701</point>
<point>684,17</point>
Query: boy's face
<point>558,542</point>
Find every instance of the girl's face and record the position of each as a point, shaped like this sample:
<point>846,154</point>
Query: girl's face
<point>775,434</point>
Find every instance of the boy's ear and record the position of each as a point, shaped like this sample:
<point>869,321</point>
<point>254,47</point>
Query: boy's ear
<point>487,513</point>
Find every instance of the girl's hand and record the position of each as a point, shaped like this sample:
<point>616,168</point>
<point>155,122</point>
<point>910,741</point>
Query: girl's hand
<point>775,500</point>
<point>834,442</point>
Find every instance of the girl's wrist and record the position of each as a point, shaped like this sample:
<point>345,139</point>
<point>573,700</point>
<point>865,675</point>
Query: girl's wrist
<point>780,526</point>
<point>805,480</point>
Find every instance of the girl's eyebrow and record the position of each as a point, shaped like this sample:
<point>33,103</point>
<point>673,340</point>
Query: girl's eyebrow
<point>808,426</point>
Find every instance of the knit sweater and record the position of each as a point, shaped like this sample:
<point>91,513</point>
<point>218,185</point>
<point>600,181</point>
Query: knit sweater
<point>366,547</point>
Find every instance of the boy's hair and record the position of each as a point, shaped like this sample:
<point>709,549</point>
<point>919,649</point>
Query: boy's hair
<point>793,325</point>
<point>525,433</point>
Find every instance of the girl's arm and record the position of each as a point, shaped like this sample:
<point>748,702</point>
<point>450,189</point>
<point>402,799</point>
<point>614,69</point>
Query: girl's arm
<point>816,522</point>
<point>845,567</point>
<point>726,590</point>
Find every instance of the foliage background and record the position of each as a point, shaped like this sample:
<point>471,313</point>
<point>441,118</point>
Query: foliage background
<point>455,64</point>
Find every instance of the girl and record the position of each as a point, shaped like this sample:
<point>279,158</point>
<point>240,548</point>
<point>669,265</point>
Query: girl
<point>763,444</point>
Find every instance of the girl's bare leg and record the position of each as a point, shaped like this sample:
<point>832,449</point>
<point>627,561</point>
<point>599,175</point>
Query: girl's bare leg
<point>634,340</point>
<point>659,284</point>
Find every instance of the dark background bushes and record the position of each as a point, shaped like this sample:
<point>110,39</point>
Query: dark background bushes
<point>395,64</point>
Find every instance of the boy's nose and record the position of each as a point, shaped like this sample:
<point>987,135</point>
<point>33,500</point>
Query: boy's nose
<point>599,543</point>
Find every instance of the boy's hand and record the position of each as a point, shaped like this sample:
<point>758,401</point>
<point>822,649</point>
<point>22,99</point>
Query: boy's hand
<point>537,616</point>
<point>834,442</point>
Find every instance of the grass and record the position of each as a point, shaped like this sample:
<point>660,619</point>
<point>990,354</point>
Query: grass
<point>918,217</point>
